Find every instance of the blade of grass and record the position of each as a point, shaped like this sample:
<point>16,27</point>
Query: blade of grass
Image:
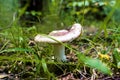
<point>15,49</point>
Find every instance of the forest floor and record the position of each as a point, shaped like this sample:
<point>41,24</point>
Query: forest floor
<point>17,70</point>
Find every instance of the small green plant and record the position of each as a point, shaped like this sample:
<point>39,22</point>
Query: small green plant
<point>94,63</point>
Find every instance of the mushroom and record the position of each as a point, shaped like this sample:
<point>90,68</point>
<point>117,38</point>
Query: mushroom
<point>58,36</point>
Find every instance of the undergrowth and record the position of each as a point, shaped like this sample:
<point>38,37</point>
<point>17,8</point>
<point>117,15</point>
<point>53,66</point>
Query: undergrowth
<point>95,49</point>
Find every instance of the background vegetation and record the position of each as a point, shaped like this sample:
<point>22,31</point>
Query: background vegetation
<point>94,55</point>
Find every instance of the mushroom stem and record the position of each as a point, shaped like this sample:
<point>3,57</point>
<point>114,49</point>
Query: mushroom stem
<point>59,52</point>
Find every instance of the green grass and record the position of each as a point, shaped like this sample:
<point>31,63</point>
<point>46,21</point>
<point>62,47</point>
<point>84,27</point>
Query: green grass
<point>15,51</point>
<point>18,57</point>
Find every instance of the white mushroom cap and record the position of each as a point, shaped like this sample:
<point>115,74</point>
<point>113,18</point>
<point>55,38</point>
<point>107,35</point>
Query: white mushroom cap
<point>61,35</point>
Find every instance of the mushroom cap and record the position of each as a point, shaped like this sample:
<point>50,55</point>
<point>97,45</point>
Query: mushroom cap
<point>60,35</point>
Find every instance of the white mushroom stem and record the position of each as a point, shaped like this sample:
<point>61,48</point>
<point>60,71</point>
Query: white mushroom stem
<point>59,52</point>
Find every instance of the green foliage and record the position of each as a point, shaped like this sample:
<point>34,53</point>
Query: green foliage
<point>116,58</point>
<point>104,25</point>
<point>7,10</point>
<point>15,49</point>
<point>94,63</point>
<point>44,65</point>
<point>86,8</point>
